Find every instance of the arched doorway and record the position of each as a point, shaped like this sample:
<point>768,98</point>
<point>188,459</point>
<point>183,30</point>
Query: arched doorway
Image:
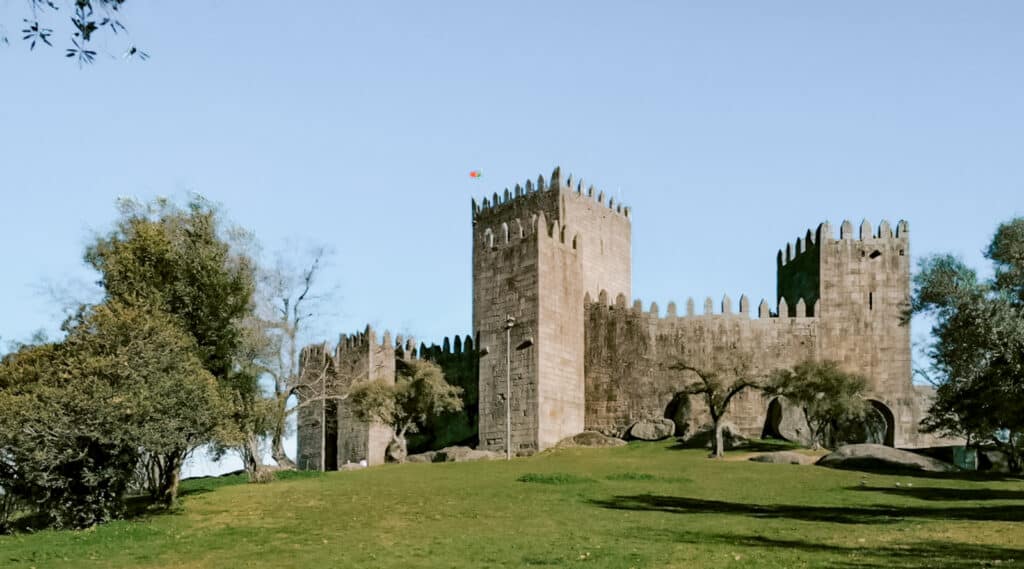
<point>889,438</point>
<point>772,420</point>
<point>678,409</point>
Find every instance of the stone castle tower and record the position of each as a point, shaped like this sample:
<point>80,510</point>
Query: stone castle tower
<point>537,251</point>
<point>556,256</point>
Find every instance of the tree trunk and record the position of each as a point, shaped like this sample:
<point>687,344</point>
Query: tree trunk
<point>718,442</point>
<point>398,448</point>
<point>170,477</point>
<point>278,453</point>
<point>251,459</point>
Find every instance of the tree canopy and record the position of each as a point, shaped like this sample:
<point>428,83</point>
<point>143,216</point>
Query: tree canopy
<point>828,396</point>
<point>419,392</point>
<point>977,355</point>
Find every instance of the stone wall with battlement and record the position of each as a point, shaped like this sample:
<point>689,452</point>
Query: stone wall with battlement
<point>356,359</point>
<point>630,352</point>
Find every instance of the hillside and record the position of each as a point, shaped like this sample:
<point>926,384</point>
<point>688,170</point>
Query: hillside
<point>644,505</point>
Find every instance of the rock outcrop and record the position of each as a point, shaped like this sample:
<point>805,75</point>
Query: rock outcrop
<point>590,439</point>
<point>880,457</point>
<point>652,429</point>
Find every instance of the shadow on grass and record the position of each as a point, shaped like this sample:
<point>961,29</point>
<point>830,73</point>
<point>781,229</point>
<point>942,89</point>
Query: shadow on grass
<point>835,514</point>
<point>929,554</point>
<point>945,494</point>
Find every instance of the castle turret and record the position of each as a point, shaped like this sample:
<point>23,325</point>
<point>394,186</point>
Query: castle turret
<point>863,282</point>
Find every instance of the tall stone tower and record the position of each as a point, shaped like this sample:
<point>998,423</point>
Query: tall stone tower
<point>537,251</point>
<point>861,286</point>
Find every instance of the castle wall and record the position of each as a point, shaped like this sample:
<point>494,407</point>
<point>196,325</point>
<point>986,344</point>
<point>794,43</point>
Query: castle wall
<point>629,354</point>
<point>560,339</point>
<point>864,290</point>
<point>460,362</point>
<point>506,282</point>
<point>356,359</point>
<point>605,234</point>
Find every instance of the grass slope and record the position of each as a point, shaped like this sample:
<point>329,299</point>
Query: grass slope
<point>643,505</point>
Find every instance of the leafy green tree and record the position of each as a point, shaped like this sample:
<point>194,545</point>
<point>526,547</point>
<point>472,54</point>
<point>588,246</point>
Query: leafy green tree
<point>977,353</point>
<point>828,396</point>
<point>76,417</point>
<point>722,373</point>
<point>184,262</point>
<point>420,391</point>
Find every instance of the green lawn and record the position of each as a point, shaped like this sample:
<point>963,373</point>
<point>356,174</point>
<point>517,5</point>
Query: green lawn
<point>644,505</point>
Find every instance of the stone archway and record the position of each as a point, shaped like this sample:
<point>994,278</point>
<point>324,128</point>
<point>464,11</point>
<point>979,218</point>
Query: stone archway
<point>680,411</point>
<point>773,420</point>
<point>889,438</point>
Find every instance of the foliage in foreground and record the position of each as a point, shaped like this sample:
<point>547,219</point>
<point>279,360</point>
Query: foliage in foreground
<point>141,379</point>
<point>828,396</point>
<point>977,355</point>
<point>419,392</point>
<point>78,416</point>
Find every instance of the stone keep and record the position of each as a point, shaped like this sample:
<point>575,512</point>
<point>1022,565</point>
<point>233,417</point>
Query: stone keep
<point>537,252</point>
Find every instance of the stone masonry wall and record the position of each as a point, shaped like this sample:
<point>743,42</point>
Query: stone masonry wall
<point>560,338</point>
<point>356,359</point>
<point>505,282</point>
<point>629,352</point>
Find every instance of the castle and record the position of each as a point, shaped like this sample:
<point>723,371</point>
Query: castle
<point>580,356</point>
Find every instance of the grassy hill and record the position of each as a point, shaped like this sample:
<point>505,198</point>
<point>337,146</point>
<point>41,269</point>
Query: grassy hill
<point>644,505</point>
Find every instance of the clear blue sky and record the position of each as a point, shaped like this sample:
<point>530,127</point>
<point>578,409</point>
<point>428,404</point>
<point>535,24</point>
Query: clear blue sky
<point>729,127</point>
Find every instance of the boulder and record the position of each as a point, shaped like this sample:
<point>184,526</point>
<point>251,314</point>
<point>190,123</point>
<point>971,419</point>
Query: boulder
<point>351,466</point>
<point>652,429</point>
<point>705,435</point>
<point>481,455</point>
<point>590,439</point>
<point>451,454</point>
<point>880,457</point>
<point>784,457</point>
<point>422,457</point>
<point>464,454</point>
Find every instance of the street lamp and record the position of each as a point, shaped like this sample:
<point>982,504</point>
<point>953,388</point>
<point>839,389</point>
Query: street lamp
<point>510,322</point>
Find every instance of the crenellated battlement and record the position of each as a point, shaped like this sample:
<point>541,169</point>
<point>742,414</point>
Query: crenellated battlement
<point>511,233</point>
<point>764,311</point>
<point>457,346</point>
<point>533,196</point>
<point>811,241</point>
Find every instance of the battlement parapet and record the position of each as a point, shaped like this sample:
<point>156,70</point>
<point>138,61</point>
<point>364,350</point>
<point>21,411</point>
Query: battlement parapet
<point>764,312</point>
<point>811,241</point>
<point>517,231</point>
<point>457,346</point>
<point>528,195</point>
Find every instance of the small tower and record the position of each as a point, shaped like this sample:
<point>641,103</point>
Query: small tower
<point>858,286</point>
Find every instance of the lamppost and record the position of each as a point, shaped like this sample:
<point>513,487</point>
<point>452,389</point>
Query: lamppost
<point>510,322</point>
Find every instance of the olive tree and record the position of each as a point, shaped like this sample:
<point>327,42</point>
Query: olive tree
<point>419,392</point>
<point>828,396</point>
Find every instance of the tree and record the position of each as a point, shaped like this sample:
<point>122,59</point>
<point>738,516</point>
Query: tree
<point>287,300</point>
<point>88,19</point>
<point>977,350</point>
<point>184,262</point>
<point>76,417</point>
<point>420,391</point>
<point>722,374</point>
<point>828,396</point>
